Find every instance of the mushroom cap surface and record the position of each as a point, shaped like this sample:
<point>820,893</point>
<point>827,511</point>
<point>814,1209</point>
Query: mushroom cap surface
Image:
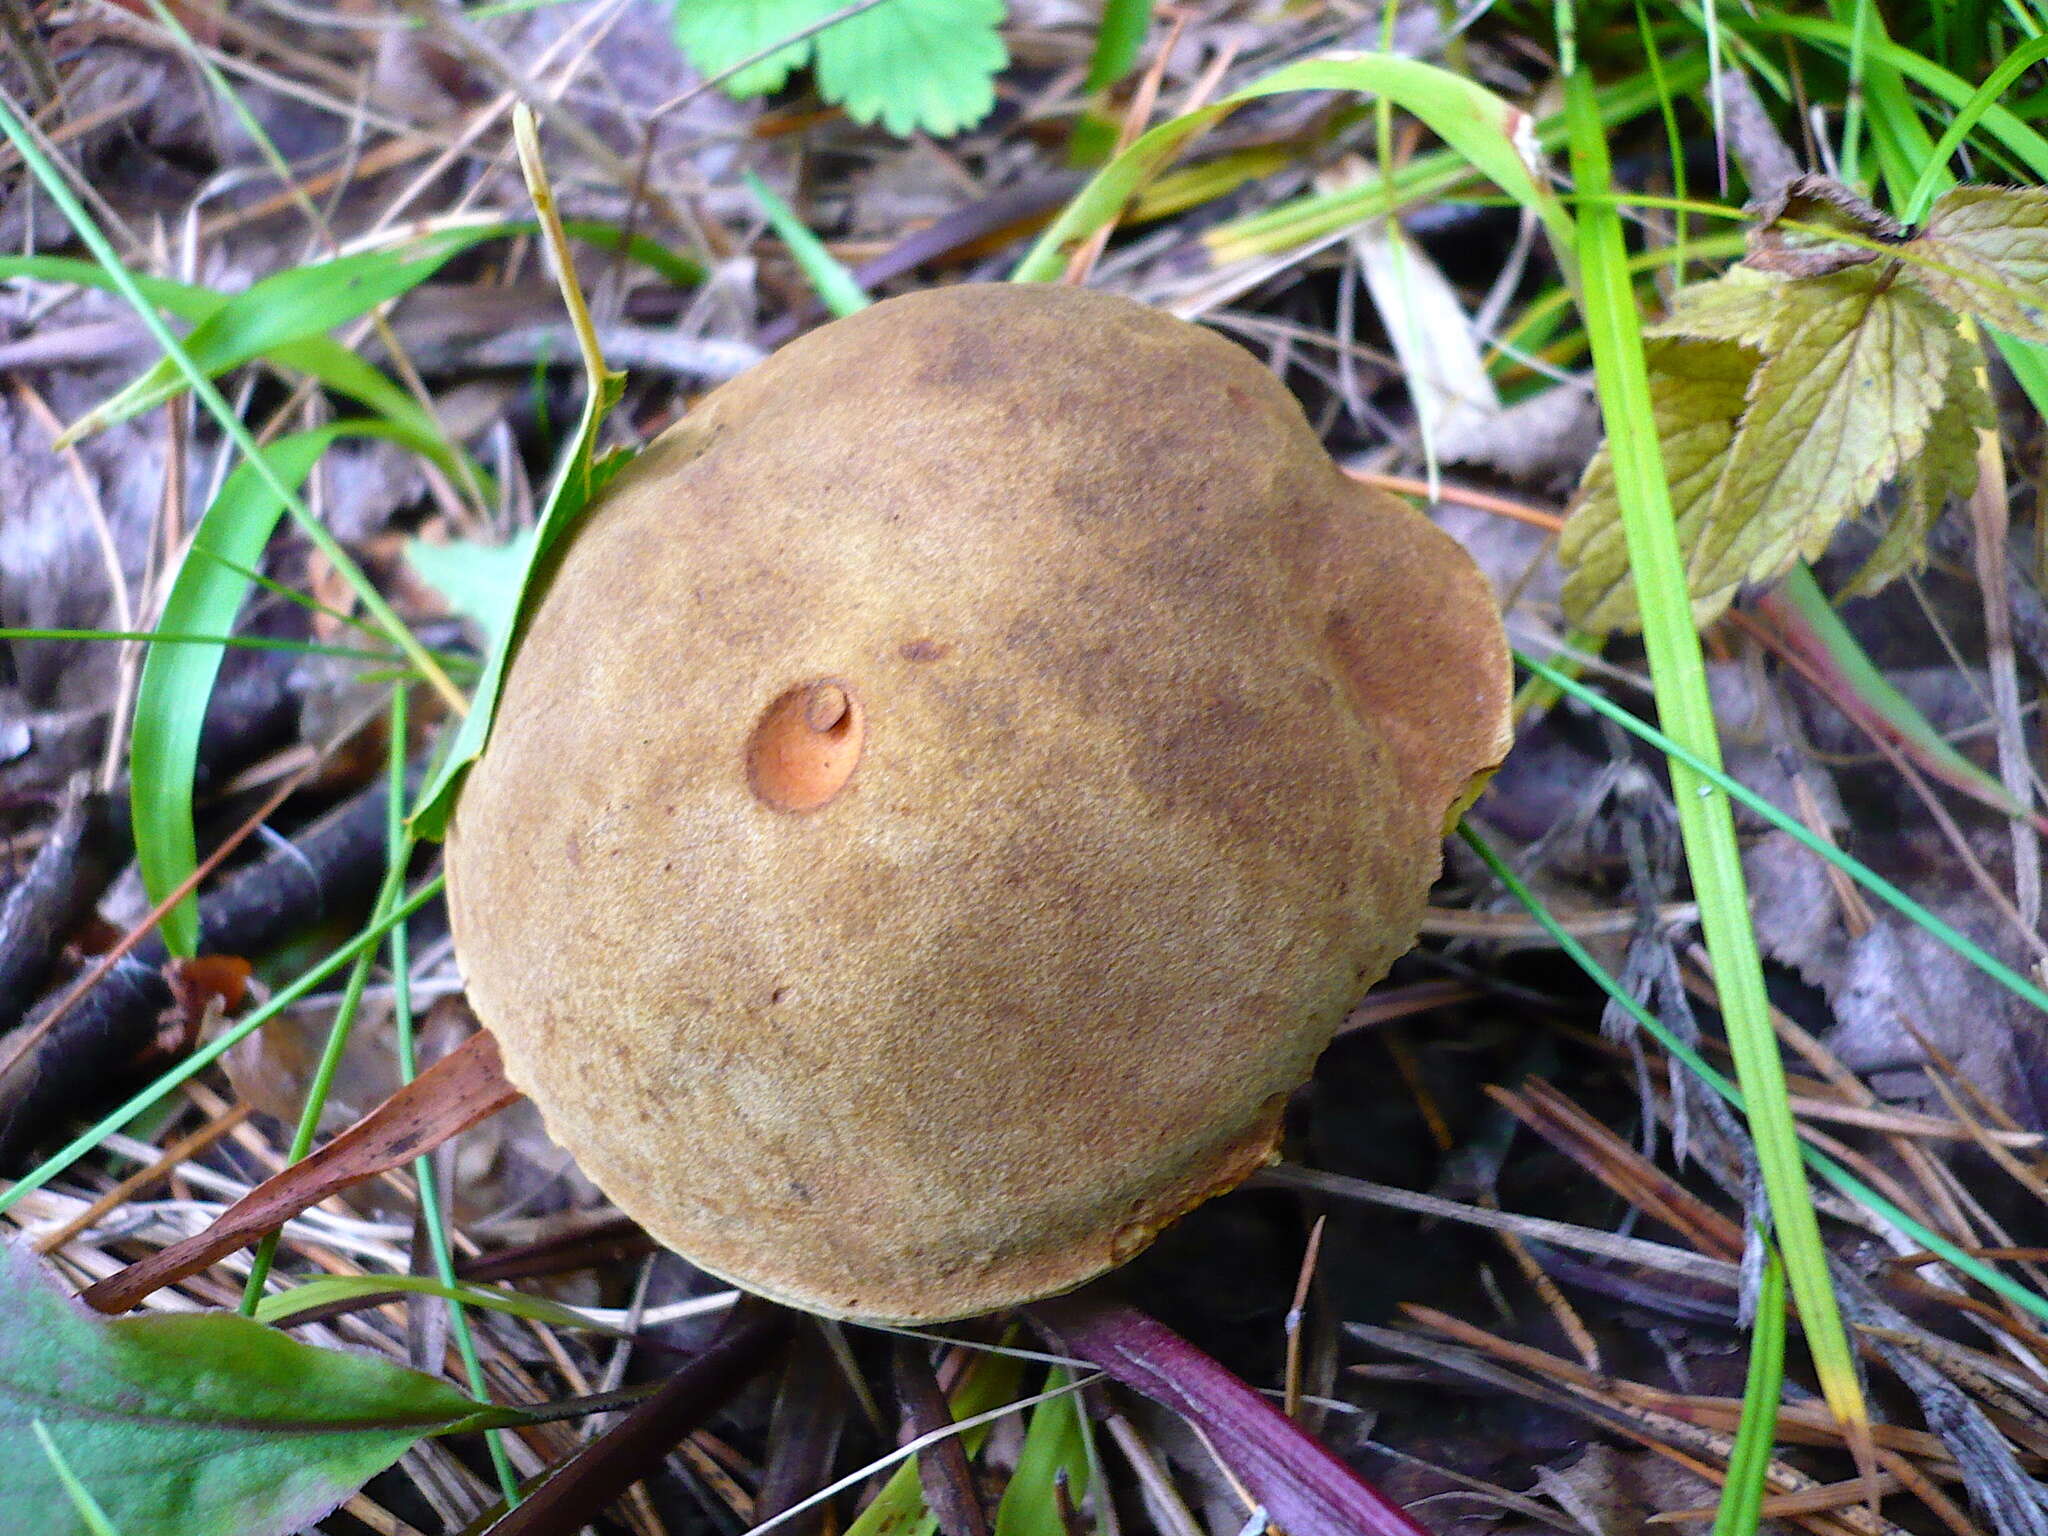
<point>950,790</point>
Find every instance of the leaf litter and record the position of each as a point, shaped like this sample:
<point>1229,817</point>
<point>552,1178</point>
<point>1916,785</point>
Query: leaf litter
<point>1840,333</point>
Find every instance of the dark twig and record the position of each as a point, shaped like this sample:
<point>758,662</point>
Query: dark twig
<point>95,1050</point>
<point>591,1480</point>
<point>942,1468</point>
<point>803,1431</point>
<point>81,851</point>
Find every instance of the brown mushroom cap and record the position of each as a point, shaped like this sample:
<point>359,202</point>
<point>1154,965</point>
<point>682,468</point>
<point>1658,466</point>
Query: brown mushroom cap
<point>952,788</point>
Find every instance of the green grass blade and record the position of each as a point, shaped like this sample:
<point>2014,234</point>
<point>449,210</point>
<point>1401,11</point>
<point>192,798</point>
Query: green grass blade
<point>1706,824</point>
<point>899,1509</point>
<point>1849,658</point>
<point>232,642</point>
<point>1117,42</point>
<point>321,357</point>
<point>177,680</point>
<point>1055,1443</point>
<point>336,1047</point>
<point>1934,174</point>
<point>1742,1494</point>
<point>399,840</point>
<point>1862,874</point>
<point>275,312</point>
<point>1432,174</point>
<point>170,701</point>
<point>1488,133</point>
<point>2023,142</point>
<point>88,1509</point>
<point>325,1290</point>
<point>832,282</point>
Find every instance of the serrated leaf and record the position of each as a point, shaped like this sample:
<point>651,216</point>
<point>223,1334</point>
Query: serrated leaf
<point>716,34</point>
<point>909,64</point>
<point>1984,251</point>
<point>2004,225</point>
<point>1944,470</point>
<point>1697,393</point>
<point>201,1424</point>
<point>1800,228</point>
<point>1740,305</point>
<point>914,64</point>
<point>1841,402</point>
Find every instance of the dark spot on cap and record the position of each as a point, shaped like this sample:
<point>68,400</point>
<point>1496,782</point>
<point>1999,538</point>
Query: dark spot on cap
<point>923,649</point>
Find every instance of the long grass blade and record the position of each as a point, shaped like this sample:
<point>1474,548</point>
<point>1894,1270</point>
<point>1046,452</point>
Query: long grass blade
<point>1490,135</point>
<point>1749,1460</point>
<point>177,680</point>
<point>1706,824</point>
<point>828,276</point>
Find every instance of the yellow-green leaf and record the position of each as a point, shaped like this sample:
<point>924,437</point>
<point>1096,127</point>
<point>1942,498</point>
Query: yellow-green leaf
<point>1842,401</point>
<point>1984,252</point>
<point>2005,225</point>
<point>1740,305</point>
<point>1697,391</point>
<point>1944,470</point>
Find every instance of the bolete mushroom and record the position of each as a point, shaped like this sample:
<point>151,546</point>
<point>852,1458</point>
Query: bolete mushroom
<point>950,790</point>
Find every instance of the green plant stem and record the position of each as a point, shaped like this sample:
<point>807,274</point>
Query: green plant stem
<point>400,842</point>
<point>322,1083</point>
<point>1706,824</point>
<point>1749,1460</point>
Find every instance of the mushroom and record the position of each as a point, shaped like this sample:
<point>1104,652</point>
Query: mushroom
<point>951,789</point>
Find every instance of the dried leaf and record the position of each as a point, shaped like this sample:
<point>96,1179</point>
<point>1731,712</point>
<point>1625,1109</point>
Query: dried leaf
<point>450,1096</point>
<point>1842,401</point>
<point>1984,251</point>
<point>1944,470</point>
<point>1797,229</point>
<point>1697,390</point>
